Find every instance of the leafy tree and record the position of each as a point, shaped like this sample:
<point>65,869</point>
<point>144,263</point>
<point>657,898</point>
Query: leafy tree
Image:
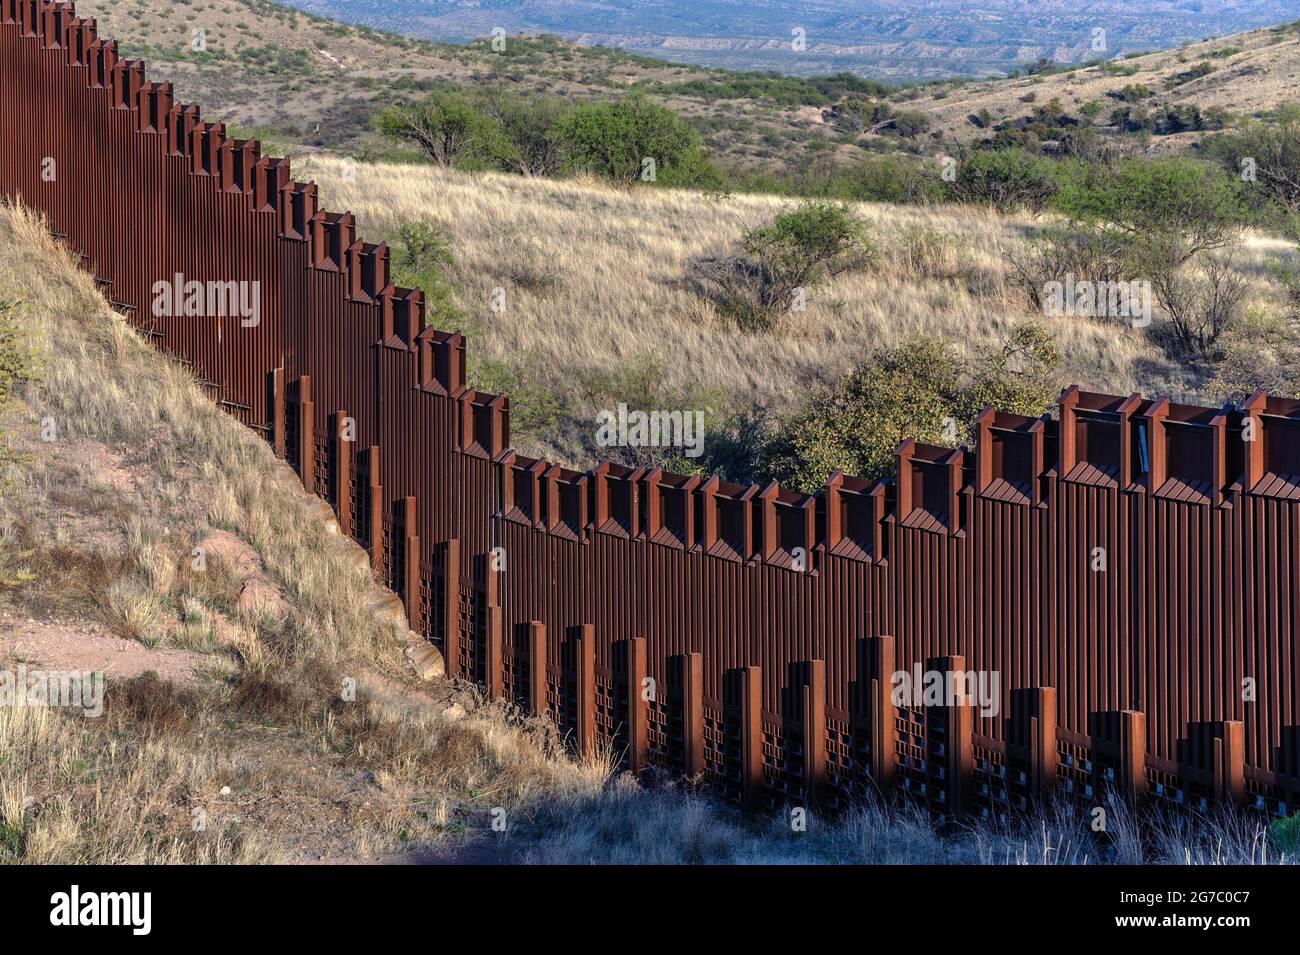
<point>633,140</point>
<point>529,126</point>
<point>449,129</point>
<point>1182,205</point>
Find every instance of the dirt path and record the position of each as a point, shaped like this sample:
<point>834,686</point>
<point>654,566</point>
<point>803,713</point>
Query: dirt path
<point>84,645</point>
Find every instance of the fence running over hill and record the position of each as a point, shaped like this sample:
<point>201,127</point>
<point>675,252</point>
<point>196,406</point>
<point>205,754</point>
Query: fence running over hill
<point>566,591</point>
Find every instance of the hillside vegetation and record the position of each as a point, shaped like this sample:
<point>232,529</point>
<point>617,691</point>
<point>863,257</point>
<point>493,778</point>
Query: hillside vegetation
<point>300,82</point>
<point>598,306</point>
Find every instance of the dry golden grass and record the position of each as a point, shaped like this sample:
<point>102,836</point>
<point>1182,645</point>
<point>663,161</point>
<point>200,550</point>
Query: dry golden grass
<point>616,260</point>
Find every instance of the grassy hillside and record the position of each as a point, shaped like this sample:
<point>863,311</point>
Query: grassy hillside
<point>301,82</point>
<point>595,287</point>
<point>1245,75</point>
<point>120,471</point>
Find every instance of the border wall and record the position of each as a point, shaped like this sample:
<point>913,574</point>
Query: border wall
<point>745,635</point>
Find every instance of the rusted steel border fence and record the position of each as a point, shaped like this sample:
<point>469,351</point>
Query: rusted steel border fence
<point>1128,573</point>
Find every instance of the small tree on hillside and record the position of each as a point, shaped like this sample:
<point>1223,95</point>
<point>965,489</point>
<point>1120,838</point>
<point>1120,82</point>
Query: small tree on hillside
<point>632,141</point>
<point>909,391</point>
<point>783,262</point>
<point>448,128</point>
<point>529,124</point>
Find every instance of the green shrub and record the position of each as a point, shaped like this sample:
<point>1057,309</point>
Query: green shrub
<point>1132,93</point>
<point>421,258</point>
<point>633,140</point>
<point>910,123</point>
<point>535,409</point>
<point>1270,153</point>
<point>1006,178</point>
<point>922,389</point>
<point>887,179</point>
<point>1187,204</point>
<point>783,262</point>
<point>1286,835</point>
<point>14,365</point>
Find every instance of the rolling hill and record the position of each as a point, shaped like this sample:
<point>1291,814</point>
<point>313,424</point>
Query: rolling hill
<point>304,84</point>
<point>884,39</point>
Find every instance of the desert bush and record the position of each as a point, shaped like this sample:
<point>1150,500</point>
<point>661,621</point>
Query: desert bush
<point>923,389</point>
<point>910,123</point>
<point>421,258</point>
<point>783,262</point>
<point>633,140</point>
<point>887,179</point>
<point>535,409</point>
<point>1005,178</point>
<point>1202,299</point>
<point>1260,353</point>
<point>1185,205</point>
<point>1132,93</point>
<point>1266,156</point>
<point>1017,376</point>
<point>1086,254</point>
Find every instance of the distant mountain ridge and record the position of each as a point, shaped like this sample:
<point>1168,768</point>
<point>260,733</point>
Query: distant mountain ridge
<point>891,39</point>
